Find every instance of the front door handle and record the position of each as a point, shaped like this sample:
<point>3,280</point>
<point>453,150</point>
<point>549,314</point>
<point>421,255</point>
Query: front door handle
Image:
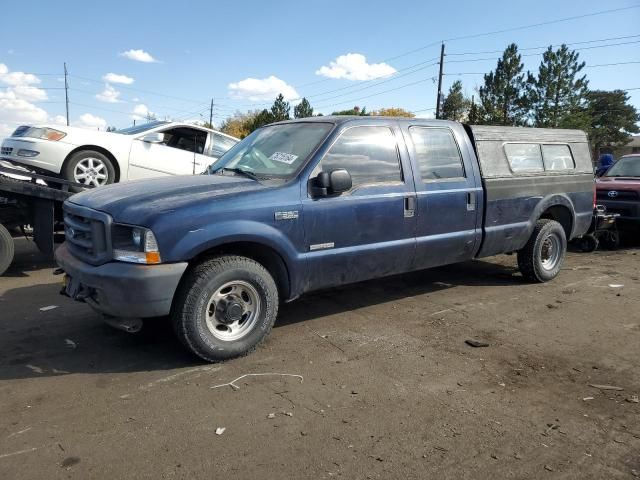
<point>409,207</point>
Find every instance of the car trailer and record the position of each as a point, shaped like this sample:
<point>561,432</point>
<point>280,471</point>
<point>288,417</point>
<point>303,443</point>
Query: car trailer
<point>34,201</point>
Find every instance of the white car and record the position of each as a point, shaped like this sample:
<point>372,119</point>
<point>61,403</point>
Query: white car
<point>98,158</point>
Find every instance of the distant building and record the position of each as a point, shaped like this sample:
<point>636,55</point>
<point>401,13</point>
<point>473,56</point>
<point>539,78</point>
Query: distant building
<point>632,147</point>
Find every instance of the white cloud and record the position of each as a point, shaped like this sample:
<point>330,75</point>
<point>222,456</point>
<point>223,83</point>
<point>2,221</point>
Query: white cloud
<point>58,120</point>
<point>87,120</point>
<point>138,56</point>
<point>354,66</point>
<point>16,100</point>
<point>141,111</point>
<point>109,95</point>
<point>255,89</point>
<point>16,78</point>
<point>116,78</point>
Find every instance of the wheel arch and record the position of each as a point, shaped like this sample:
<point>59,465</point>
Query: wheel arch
<point>265,255</point>
<point>562,214</point>
<point>96,148</point>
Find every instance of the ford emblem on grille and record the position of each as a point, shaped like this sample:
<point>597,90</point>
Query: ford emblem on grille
<point>613,194</point>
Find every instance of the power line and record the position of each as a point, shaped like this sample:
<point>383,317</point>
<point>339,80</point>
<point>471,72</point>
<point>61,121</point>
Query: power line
<point>586,66</point>
<point>541,53</point>
<point>150,92</point>
<point>546,46</point>
<point>512,29</point>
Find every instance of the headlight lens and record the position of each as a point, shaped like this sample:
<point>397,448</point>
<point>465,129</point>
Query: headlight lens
<point>134,244</point>
<point>39,132</point>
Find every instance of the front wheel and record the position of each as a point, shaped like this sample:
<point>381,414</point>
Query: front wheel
<point>6,249</point>
<point>541,258</point>
<point>89,168</point>
<point>225,307</point>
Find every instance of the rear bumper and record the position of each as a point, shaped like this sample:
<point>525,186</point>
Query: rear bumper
<point>121,289</point>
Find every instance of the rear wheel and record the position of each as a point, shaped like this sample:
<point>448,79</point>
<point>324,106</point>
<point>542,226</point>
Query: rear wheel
<point>89,168</point>
<point>6,249</point>
<point>541,258</point>
<point>225,307</point>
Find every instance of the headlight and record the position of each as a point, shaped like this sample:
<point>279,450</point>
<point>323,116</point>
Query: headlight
<point>134,244</point>
<point>39,132</point>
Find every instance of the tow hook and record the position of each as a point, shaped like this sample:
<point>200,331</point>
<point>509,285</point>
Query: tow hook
<point>129,325</point>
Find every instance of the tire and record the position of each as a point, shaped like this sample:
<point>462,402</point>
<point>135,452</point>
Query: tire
<point>541,258</point>
<point>588,243</point>
<point>610,240</point>
<point>225,307</point>
<point>7,249</point>
<point>89,168</point>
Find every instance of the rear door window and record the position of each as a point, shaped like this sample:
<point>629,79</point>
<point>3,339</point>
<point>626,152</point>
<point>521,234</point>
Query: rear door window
<point>524,157</point>
<point>437,153</point>
<point>557,157</point>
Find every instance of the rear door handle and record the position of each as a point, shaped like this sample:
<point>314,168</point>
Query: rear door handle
<point>409,207</point>
<point>471,201</point>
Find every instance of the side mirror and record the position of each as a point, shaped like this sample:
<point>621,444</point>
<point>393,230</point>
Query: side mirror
<point>155,137</point>
<point>331,183</point>
<point>340,181</point>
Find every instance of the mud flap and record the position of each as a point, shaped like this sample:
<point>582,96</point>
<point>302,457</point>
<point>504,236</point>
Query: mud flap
<point>43,223</point>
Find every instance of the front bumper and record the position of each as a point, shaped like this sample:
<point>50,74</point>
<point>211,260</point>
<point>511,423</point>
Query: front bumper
<point>121,289</point>
<point>629,211</point>
<point>51,155</point>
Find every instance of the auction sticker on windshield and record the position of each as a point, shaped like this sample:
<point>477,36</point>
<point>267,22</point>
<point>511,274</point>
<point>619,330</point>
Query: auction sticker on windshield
<point>282,157</point>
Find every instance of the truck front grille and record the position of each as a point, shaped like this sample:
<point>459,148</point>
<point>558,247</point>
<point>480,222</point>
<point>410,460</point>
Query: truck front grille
<point>87,232</point>
<point>620,195</point>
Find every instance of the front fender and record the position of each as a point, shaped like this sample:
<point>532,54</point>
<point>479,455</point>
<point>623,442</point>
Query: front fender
<point>197,241</point>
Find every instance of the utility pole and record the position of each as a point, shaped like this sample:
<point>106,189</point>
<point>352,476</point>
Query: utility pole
<point>66,91</point>
<point>439,100</point>
<point>211,114</point>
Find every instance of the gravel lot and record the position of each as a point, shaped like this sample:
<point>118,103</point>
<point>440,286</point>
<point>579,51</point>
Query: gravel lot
<point>389,390</point>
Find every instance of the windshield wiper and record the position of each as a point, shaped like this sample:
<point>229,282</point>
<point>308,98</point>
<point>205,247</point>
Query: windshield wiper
<point>240,171</point>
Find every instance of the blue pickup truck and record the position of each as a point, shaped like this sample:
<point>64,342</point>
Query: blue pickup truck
<point>321,202</point>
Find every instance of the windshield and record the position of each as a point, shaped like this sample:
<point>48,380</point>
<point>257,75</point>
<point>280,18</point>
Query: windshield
<point>141,128</point>
<point>274,151</point>
<point>625,167</point>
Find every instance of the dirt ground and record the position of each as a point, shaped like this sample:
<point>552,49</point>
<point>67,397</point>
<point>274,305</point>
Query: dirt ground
<point>387,388</point>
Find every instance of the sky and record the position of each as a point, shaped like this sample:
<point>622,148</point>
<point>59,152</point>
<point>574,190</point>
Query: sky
<point>126,59</point>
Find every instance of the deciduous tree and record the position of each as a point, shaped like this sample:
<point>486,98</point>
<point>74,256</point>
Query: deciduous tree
<point>393,112</point>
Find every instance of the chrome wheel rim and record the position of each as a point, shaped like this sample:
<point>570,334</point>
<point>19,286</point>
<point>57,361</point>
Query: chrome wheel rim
<point>233,310</point>
<point>91,171</point>
<point>550,252</point>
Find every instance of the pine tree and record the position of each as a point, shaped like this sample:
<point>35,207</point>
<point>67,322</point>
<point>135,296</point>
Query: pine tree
<point>473,117</point>
<point>303,109</point>
<point>557,93</point>
<point>263,118</point>
<point>612,118</point>
<point>503,98</point>
<point>280,109</point>
<point>455,105</point>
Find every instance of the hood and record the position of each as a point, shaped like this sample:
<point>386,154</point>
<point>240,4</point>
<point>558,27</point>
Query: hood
<point>140,199</point>
<point>618,183</point>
